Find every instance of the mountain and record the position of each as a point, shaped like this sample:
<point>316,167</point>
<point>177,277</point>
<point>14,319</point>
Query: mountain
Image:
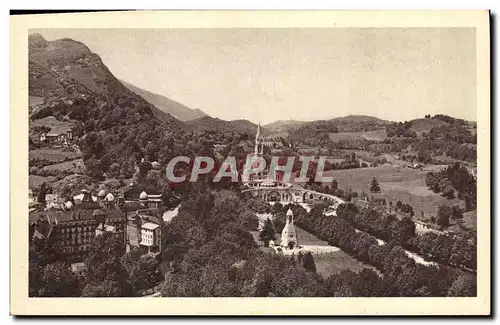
<point>66,68</point>
<point>282,126</point>
<point>245,126</point>
<point>211,124</point>
<point>114,126</point>
<point>166,104</point>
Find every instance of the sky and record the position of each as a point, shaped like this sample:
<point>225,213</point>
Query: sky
<point>265,75</point>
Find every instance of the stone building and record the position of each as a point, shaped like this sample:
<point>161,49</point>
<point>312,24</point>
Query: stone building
<point>144,222</point>
<point>70,229</point>
<point>289,238</point>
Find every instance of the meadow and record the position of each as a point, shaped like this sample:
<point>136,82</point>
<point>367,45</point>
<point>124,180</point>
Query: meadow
<point>36,181</point>
<point>329,263</point>
<point>75,166</point>
<point>53,155</point>
<point>403,184</point>
<point>377,135</point>
<point>333,263</point>
<point>50,122</point>
<point>35,100</point>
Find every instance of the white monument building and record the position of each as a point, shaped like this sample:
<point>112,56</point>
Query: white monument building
<point>289,237</point>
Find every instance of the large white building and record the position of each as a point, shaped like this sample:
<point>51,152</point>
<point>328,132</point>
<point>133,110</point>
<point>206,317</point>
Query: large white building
<point>151,236</point>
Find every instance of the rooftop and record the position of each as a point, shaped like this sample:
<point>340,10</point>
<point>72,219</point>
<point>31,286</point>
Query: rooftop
<point>150,226</point>
<point>57,130</point>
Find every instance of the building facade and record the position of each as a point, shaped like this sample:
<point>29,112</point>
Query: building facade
<point>71,228</point>
<point>57,136</point>
<point>144,217</point>
<point>289,238</point>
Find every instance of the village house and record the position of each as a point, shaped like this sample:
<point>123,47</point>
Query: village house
<point>57,136</point>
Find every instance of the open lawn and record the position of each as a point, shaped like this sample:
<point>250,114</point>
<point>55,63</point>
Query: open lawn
<point>366,135</point>
<point>327,263</point>
<point>54,155</point>
<point>333,263</point>
<point>35,100</point>
<point>50,122</point>
<point>76,166</point>
<point>470,219</point>
<point>404,184</point>
<point>36,181</point>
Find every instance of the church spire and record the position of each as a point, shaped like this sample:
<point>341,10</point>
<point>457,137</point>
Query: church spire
<point>257,135</point>
<point>258,144</point>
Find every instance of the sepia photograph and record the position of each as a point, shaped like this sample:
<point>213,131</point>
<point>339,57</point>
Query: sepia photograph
<point>253,162</point>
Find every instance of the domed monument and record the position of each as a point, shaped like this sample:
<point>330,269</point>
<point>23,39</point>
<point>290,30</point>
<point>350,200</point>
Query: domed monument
<point>289,237</point>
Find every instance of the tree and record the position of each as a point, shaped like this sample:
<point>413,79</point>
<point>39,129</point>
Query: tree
<point>42,192</point>
<point>267,233</point>
<point>106,288</point>
<point>443,217</point>
<point>59,281</point>
<point>308,262</point>
<point>457,214</point>
<point>131,258</point>
<point>335,185</point>
<point>375,187</point>
<point>277,208</point>
<point>248,220</point>
<point>347,211</point>
<point>399,205</point>
<point>294,281</point>
<point>463,286</point>
<point>104,264</point>
<point>404,230</point>
<point>145,274</point>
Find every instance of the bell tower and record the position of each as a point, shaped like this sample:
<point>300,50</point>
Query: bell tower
<point>259,148</point>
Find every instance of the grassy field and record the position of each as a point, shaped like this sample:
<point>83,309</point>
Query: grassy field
<point>328,263</point>
<point>470,219</point>
<point>367,135</point>
<point>36,181</point>
<point>54,155</point>
<point>404,184</point>
<point>334,263</point>
<point>50,122</point>
<point>76,166</point>
<point>35,100</point>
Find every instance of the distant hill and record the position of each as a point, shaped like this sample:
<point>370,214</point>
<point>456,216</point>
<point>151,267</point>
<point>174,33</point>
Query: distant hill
<point>359,119</point>
<point>319,132</point>
<point>283,126</point>
<point>359,123</point>
<point>166,104</point>
<point>425,124</point>
<point>212,124</point>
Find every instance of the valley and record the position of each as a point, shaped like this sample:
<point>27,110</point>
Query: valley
<point>401,194</point>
